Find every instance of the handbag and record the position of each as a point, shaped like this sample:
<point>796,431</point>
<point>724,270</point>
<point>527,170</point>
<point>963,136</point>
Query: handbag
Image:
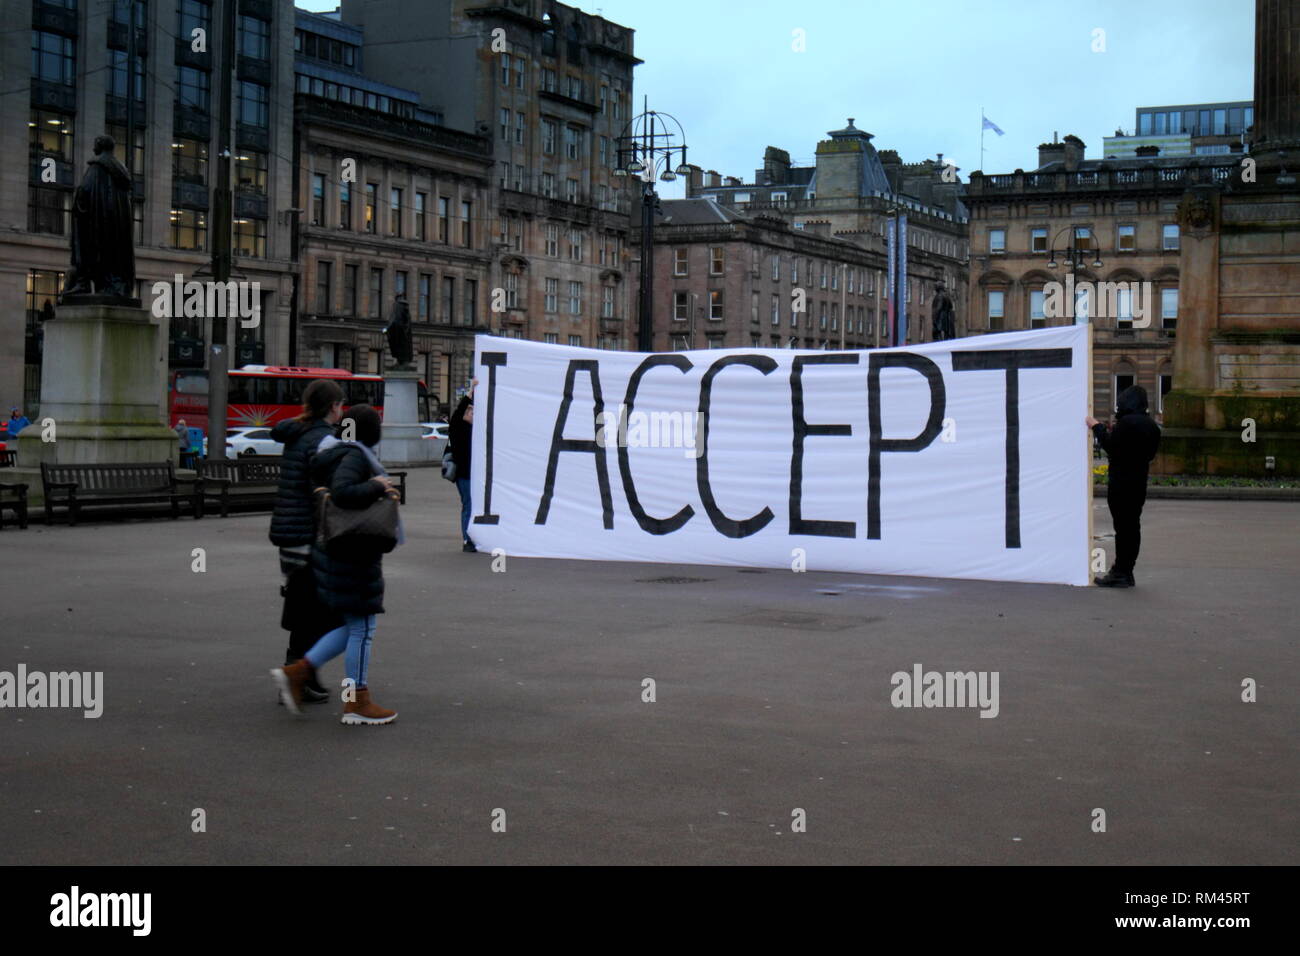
<point>448,466</point>
<point>374,526</point>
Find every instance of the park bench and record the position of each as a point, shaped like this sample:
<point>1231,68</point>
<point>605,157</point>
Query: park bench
<point>8,457</point>
<point>252,480</point>
<point>76,486</point>
<point>13,497</point>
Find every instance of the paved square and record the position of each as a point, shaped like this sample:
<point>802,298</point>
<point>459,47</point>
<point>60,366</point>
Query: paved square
<point>522,691</point>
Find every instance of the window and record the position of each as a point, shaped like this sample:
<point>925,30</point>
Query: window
<point>51,135</point>
<point>422,302</point>
<point>552,303</point>
<point>572,142</point>
<point>317,199</point>
<point>512,290</point>
<point>835,316</point>
<point>571,190</point>
<point>776,309</point>
<point>680,262</point>
<point>443,215</point>
<point>794,269</point>
<point>715,260</point>
<point>549,78</point>
<point>372,199</point>
<point>575,341</point>
<point>776,268</point>
<point>753,308</point>
<point>505,69</point>
<point>447,307</point>
<point>681,306</point>
<point>190,161</point>
<point>573,87</point>
<point>254,104</point>
<point>823,275</point>
<point>395,212</point>
<point>250,172</point>
<point>550,338</point>
<point>1126,238</point>
<point>997,241</point>
<point>254,38</point>
<point>548,185</point>
<point>1083,238</point>
<point>1169,308</point>
<point>48,210</point>
<point>345,205</point>
<point>519,72</point>
<point>350,289</point>
<point>1037,317</point>
<point>602,196</point>
<point>604,149</point>
<point>996,314</point>
<point>575,244</point>
<point>552,238</point>
<point>469,302</point>
<point>192,15</point>
<point>715,305</point>
<point>1037,240</point>
<point>607,302</point>
<point>421,200</point>
<point>399,284</point>
<point>1124,309</point>
<point>505,124</point>
<point>779,198</point>
<point>376,291</point>
<point>117,74</point>
<point>852,278</point>
<point>189,229</point>
<point>1169,236</point>
<point>1166,386</point>
<point>192,88</point>
<point>53,58</point>
<point>821,323</point>
<point>520,127</point>
<point>1082,306</point>
<point>324,288</point>
<point>467,224</point>
<point>575,298</point>
<point>549,130</point>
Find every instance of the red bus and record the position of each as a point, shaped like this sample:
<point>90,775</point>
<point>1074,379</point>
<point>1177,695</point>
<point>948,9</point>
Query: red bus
<point>266,394</point>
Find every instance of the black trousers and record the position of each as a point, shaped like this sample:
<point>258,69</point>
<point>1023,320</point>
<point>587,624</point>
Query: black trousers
<point>1126,513</point>
<point>305,617</point>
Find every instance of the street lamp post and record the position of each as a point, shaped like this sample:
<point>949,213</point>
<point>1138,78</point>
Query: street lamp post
<point>647,145</point>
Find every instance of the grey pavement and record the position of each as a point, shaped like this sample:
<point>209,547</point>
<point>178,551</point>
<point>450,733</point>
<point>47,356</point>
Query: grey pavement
<point>522,691</point>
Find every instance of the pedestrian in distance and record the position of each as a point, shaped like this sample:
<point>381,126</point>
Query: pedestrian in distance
<point>293,525</point>
<point>348,570</point>
<point>17,422</point>
<point>1130,445</point>
<point>183,435</point>
<point>460,435</point>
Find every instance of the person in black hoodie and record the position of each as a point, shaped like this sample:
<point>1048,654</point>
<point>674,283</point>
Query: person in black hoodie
<point>460,435</point>
<point>293,524</point>
<point>348,573</point>
<point>1130,445</point>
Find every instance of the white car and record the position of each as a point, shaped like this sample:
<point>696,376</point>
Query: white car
<point>436,432</point>
<point>244,442</point>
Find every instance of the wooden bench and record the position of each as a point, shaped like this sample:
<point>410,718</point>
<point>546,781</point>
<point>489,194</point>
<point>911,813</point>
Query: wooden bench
<point>13,497</point>
<point>76,486</point>
<point>253,480</point>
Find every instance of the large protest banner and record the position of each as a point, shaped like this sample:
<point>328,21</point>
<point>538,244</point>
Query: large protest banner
<point>964,459</point>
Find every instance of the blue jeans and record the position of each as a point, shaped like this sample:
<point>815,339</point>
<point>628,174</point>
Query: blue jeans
<point>462,485</point>
<point>354,637</point>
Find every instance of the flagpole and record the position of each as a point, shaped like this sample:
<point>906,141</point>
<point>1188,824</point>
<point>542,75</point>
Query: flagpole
<point>981,139</point>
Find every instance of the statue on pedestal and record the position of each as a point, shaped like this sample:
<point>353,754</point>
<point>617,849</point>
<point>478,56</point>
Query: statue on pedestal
<point>942,318</point>
<point>103,243</point>
<point>399,334</point>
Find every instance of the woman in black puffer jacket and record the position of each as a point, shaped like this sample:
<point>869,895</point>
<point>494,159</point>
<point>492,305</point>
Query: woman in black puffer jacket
<point>293,524</point>
<point>348,573</point>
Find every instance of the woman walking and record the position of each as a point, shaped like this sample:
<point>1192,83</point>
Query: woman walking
<point>348,572</point>
<point>293,525</point>
<point>460,434</point>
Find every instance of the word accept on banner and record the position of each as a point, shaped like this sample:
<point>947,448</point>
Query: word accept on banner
<point>964,459</point>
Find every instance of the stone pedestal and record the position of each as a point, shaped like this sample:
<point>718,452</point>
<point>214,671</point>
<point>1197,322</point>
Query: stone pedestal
<point>104,386</point>
<point>402,443</point>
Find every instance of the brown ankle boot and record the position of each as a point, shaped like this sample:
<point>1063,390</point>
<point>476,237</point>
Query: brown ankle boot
<point>290,680</point>
<point>366,711</point>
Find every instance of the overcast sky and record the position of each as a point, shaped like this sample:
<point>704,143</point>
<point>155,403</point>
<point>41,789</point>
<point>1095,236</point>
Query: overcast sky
<point>916,73</point>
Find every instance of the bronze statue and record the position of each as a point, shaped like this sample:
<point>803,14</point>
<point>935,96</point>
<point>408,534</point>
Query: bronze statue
<point>941,315</point>
<point>399,333</point>
<point>103,244</point>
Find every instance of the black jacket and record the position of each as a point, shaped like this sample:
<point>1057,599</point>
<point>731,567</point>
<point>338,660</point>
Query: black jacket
<point>1130,446</point>
<point>349,576</point>
<point>459,435</point>
<point>293,520</point>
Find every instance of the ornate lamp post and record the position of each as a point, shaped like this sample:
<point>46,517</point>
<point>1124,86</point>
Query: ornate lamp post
<point>646,149</point>
<point>1075,255</point>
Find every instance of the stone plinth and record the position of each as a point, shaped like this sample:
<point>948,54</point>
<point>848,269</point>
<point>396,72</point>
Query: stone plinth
<point>402,442</point>
<point>104,386</point>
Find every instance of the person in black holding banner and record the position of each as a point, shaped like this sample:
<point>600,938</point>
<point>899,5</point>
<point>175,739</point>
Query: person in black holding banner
<point>460,434</point>
<point>1130,445</point>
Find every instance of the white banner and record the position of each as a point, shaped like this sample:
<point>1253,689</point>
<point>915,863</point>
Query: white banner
<point>962,459</point>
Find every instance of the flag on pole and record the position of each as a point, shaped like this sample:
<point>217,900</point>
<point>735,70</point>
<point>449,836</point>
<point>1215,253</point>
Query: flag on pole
<point>989,124</point>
